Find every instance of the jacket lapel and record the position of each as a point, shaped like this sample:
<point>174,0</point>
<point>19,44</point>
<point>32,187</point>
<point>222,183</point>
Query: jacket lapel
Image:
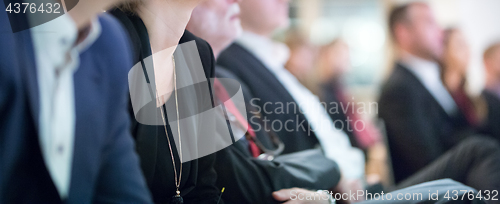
<point>260,70</point>
<point>414,80</point>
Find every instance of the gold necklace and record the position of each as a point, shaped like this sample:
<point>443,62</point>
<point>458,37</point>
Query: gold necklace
<point>177,199</point>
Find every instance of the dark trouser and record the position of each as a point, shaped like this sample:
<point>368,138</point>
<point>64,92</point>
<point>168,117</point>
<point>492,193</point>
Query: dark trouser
<point>474,162</point>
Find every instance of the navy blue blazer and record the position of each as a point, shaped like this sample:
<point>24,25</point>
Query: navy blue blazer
<point>105,166</point>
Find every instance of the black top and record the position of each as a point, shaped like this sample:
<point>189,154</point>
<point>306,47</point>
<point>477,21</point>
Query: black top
<point>418,128</point>
<point>491,126</point>
<point>198,176</point>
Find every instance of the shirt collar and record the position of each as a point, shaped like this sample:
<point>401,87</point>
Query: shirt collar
<point>58,37</point>
<point>425,70</point>
<point>273,54</point>
<point>94,33</point>
<point>429,74</point>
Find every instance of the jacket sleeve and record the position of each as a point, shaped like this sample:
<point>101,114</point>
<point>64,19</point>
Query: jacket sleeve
<point>250,180</point>
<point>205,190</point>
<point>119,177</point>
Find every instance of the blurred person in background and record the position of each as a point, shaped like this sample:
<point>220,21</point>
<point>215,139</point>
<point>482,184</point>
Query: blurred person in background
<point>258,61</point>
<point>325,81</point>
<point>332,65</point>
<point>253,168</point>
<point>428,135</point>
<point>157,30</point>
<point>64,132</point>
<point>455,64</point>
<point>302,57</point>
<point>334,60</point>
<point>491,59</point>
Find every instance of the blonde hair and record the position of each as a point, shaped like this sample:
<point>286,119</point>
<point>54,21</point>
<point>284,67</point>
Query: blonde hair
<point>130,6</point>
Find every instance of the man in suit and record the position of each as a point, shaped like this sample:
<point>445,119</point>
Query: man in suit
<point>421,117</point>
<point>491,59</point>
<point>426,131</point>
<point>291,110</point>
<point>64,132</point>
<point>257,61</point>
<point>247,177</point>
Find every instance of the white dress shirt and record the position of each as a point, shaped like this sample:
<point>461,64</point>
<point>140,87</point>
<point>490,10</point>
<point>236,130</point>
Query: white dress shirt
<point>334,142</point>
<point>57,58</point>
<point>429,74</point>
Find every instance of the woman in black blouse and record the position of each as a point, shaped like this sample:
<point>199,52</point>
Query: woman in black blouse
<point>156,27</point>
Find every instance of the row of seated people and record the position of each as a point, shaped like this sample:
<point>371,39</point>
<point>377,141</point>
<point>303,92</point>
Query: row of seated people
<point>322,71</point>
<point>258,63</point>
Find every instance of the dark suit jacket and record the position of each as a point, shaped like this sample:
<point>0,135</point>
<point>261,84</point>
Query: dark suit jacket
<point>198,176</point>
<point>491,126</point>
<point>105,166</point>
<point>251,180</point>
<point>268,91</point>
<point>418,128</point>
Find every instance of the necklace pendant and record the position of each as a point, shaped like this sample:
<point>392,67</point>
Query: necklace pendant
<point>177,199</point>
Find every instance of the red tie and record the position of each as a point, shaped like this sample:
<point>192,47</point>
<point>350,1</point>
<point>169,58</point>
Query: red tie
<point>223,96</point>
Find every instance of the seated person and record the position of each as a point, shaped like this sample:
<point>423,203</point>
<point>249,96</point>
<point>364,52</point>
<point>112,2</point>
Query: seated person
<point>455,63</point>
<point>423,122</point>
<point>165,144</point>
<point>303,56</point>
<point>491,60</point>
<point>244,172</point>
<point>64,132</point>
<point>332,65</point>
